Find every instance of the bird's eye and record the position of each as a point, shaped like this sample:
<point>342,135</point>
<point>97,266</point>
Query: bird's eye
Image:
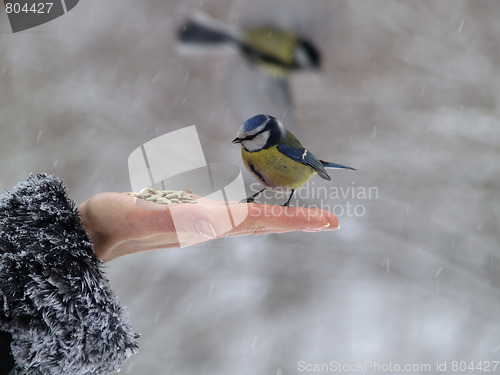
<point>249,137</point>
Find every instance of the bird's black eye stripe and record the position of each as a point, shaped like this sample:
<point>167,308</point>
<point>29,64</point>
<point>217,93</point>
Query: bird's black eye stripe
<point>249,137</point>
<point>252,136</point>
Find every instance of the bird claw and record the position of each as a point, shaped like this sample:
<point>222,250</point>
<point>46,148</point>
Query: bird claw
<point>247,200</point>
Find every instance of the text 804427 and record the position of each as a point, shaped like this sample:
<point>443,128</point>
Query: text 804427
<point>23,7</point>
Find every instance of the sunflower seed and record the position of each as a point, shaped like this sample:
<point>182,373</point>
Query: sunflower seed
<point>165,196</point>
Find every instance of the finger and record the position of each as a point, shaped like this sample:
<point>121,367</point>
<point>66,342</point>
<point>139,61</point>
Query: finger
<point>263,218</point>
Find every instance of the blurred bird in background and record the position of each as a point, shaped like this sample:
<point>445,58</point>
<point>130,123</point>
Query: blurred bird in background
<point>274,52</point>
<point>276,157</point>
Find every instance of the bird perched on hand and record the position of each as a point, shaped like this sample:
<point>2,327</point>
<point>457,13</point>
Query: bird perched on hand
<point>276,157</point>
<point>274,50</point>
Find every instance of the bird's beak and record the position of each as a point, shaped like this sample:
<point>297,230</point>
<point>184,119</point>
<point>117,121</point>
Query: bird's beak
<point>236,140</point>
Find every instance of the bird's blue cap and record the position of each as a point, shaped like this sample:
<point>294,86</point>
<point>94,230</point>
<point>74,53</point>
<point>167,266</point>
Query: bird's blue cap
<point>254,122</point>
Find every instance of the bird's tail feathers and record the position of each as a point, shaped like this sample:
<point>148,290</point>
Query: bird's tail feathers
<point>202,29</point>
<point>327,164</point>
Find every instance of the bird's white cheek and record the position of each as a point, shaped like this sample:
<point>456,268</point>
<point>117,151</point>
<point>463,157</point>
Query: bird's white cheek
<point>257,143</point>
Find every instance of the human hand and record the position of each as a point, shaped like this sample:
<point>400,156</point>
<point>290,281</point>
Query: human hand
<point>120,224</point>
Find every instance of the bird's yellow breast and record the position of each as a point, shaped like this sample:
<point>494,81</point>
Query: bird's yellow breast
<point>275,170</point>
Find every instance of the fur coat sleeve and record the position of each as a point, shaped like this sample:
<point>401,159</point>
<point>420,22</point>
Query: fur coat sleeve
<point>56,306</point>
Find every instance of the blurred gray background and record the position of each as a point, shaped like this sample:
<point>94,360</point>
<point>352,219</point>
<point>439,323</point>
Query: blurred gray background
<point>408,95</point>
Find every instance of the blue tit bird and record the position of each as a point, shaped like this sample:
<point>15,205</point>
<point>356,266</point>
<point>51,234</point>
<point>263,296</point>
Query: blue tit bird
<point>273,50</point>
<point>276,157</point>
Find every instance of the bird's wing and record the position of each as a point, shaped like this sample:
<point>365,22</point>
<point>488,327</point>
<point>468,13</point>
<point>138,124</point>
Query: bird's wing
<point>303,156</point>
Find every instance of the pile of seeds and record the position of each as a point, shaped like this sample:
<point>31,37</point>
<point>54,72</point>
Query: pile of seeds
<point>165,196</point>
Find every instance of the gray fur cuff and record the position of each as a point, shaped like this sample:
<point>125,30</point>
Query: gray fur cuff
<point>54,298</point>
